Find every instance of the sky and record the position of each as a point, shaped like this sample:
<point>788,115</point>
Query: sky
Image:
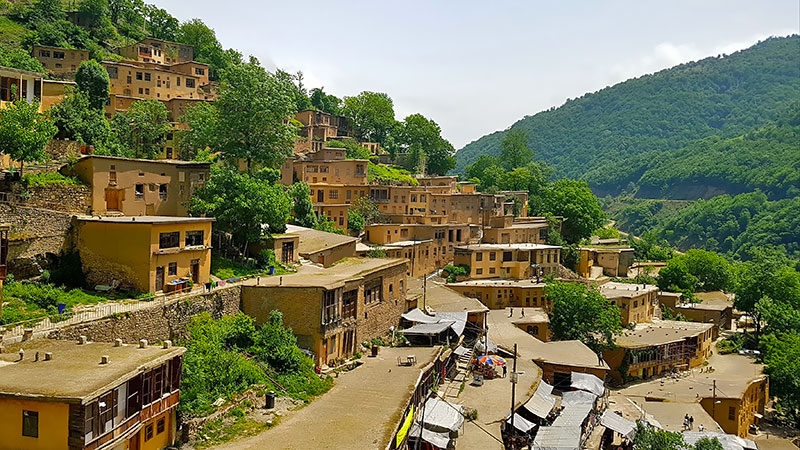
<point>476,67</point>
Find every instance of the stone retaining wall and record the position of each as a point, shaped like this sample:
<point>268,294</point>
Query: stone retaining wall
<point>60,197</point>
<point>34,234</point>
<point>159,323</point>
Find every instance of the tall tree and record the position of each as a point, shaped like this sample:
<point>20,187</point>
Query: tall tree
<point>328,103</point>
<point>243,205</point>
<point>649,438</point>
<point>207,48</point>
<point>768,275</point>
<point>160,24</point>
<point>77,120</point>
<point>515,151</point>
<point>371,116</point>
<point>573,200</point>
<point>92,79</point>
<point>142,128</point>
<point>24,132</point>
<point>422,140</point>
<point>302,208</point>
<point>248,120</point>
<point>580,312</point>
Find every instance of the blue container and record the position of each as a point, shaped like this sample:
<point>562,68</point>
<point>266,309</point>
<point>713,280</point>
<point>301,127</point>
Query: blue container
<point>62,307</point>
<point>272,270</point>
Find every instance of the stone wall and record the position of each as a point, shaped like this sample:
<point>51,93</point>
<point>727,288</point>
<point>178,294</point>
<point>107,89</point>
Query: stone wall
<point>60,197</point>
<point>60,150</point>
<point>159,323</point>
<point>34,234</point>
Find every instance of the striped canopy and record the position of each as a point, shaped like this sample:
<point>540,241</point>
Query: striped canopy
<point>492,360</point>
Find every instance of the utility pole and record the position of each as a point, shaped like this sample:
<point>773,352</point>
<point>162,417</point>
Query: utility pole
<point>714,403</point>
<point>425,292</point>
<point>513,394</point>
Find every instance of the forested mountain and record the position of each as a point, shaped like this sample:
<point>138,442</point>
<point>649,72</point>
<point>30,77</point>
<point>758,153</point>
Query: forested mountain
<point>735,107</point>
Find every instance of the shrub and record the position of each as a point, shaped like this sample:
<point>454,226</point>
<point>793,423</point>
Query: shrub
<point>48,178</point>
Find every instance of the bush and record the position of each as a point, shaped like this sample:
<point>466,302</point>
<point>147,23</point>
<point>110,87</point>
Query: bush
<point>46,178</point>
<point>451,272</point>
<point>32,300</point>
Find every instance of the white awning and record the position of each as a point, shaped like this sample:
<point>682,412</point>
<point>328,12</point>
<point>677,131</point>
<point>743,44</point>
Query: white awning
<point>440,440</point>
<point>557,438</point>
<point>577,397</point>
<point>728,441</point>
<point>621,425</point>
<point>455,320</point>
<point>427,329</point>
<point>542,402</point>
<point>573,415</point>
<point>416,315</point>
<point>588,382</point>
<point>520,423</point>
<point>441,416</point>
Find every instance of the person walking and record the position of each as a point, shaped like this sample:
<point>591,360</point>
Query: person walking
<point>505,369</point>
<point>523,312</point>
<point>691,422</point>
<point>511,312</point>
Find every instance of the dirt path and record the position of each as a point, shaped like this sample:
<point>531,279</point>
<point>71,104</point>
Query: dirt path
<point>360,411</point>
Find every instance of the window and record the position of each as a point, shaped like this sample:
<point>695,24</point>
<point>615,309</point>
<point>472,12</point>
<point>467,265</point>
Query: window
<point>194,238</point>
<point>199,71</point>
<point>348,194</point>
<point>44,53</point>
<point>30,424</point>
<point>190,82</point>
<point>162,191</point>
<point>112,73</point>
<point>148,432</point>
<point>492,256</point>
<point>173,269</point>
<point>373,292</point>
<point>478,271</point>
<point>479,256</point>
<point>141,91</point>
<point>147,91</point>
<point>147,76</point>
<point>330,308</point>
<point>168,152</point>
<point>58,55</point>
<point>333,194</point>
<point>732,413</point>
<point>491,270</point>
<point>139,190</point>
<point>349,304</point>
<point>636,303</point>
<point>160,425</point>
<point>138,75</point>
<point>169,240</point>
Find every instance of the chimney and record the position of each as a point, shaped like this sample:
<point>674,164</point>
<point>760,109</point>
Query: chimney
<point>143,343</point>
<point>167,344</point>
<point>118,342</point>
<point>104,359</point>
<point>82,340</point>
<point>48,356</point>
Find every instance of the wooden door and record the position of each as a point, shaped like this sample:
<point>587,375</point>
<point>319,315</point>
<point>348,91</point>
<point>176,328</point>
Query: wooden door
<point>195,271</point>
<point>320,195</point>
<point>134,442</point>
<point>112,200</point>
<point>287,252</point>
<point>159,278</point>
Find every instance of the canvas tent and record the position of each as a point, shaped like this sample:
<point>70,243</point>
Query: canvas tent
<point>728,441</point>
<point>577,397</point>
<point>440,440</point>
<point>557,438</point>
<point>541,403</point>
<point>440,416</point>
<point>521,423</point>
<point>621,425</point>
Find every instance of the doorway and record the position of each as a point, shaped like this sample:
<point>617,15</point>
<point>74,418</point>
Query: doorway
<point>159,278</point>
<point>195,271</point>
<point>320,196</point>
<point>112,200</point>
<point>287,252</point>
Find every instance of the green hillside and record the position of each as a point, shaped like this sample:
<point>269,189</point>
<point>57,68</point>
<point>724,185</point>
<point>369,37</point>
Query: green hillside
<point>613,137</point>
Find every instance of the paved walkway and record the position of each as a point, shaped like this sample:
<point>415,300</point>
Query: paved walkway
<point>493,399</point>
<point>361,411</point>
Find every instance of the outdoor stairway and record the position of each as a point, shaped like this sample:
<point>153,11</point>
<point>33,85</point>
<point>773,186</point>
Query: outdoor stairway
<point>451,388</point>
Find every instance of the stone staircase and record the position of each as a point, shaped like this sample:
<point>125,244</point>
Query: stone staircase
<point>451,388</point>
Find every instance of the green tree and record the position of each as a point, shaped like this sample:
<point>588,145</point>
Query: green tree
<point>782,359</point>
<point>354,149</point>
<point>92,79</point>
<point>248,119</point>
<point>582,313</point>
<point>366,210</point>
<point>355,221</point>
<point>713,272</point>
<point>422,139</point>
<point>677,277</point>
<point>207,48</point>
<point>649,438</point>
<point>93,13</point>
<point>160,24</point>
<point>303,208</point>
<point>328,103</point>
<point>371,116</point>
<point>767,275</point>
<point>24,132</point>
<point>142,129</point>
<point>573,200</point>
<point>243,205</point>
<point>19,59</point>
<point>515,152</point>
<point>77,120</point>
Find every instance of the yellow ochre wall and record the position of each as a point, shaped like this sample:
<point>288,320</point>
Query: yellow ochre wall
<point>53,425</point>
<point>159,441</point>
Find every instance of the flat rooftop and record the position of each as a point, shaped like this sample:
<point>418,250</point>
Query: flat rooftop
<point>401,244</point>
<point>500,282</point>
<point>144,219</point>
<point>172,162</point>
<point>344,270</point>
<point>500,247</point>
<point>313,241</point>
<point>668,414</point>
<point>440,298</point>
<point>707,305</point>
<point>660,332</point>
<point>75,372</point>
<point>614,289</point>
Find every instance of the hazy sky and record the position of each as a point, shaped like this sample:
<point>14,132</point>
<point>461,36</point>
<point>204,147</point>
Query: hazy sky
<point>478,66</point>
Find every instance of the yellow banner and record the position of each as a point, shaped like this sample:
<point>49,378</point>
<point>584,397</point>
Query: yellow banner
<point>403,431</point>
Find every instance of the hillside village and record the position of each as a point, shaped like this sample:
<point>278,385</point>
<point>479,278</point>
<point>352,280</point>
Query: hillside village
<point>227,266</point>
